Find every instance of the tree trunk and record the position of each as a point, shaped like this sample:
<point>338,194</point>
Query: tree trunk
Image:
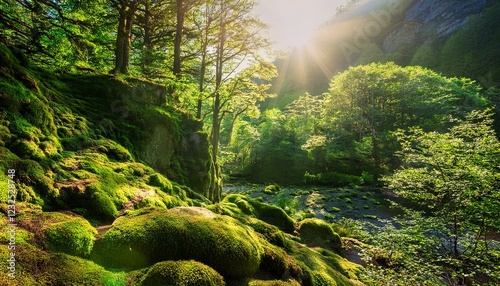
<point>147,56</point>
<point>180,14</point>
<point>217,103</point>
<point>124,36</point>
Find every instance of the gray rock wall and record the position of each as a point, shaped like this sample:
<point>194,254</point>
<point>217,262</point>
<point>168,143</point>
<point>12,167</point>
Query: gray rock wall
<point>433,18</point>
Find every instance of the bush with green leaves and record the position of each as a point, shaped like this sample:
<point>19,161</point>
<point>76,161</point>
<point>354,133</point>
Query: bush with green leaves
<point>455,176</point>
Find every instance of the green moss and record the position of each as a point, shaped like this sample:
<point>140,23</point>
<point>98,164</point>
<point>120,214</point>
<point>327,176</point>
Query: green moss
<point>113,150</point>
<point>181,273</point>
<point>31,173</point>
<point>335,209</point>
<point>161,182</point>
<point>38,267</point>
<point>271,189</point>
<point>273,283</point>
<point>275,261</point>
<point>273,215</point>
<point>74,236</point>
<point>326,268</point>
<point>316,232</point>
<point>242,203</point>
<point>270,232</point>
<point>100,204</point>
<point>220,242</point>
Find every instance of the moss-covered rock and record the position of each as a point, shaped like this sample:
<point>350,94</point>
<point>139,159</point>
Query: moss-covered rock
<point>273,215</point>
<point>149,236</point>
<point>37,267</point>
<point>181,273</point>
<point>75,236</point>
<point>241,202</point>
<point>271,189</point>
<point>270,232</point>
<point>322,267</point>
<point>273,283</point>
<point>317,232</point>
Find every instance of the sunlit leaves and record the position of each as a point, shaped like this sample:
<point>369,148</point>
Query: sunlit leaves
<point>456,175</point>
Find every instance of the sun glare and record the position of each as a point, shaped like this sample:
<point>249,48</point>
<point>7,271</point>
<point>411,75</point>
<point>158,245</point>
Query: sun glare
<point>292,22</point>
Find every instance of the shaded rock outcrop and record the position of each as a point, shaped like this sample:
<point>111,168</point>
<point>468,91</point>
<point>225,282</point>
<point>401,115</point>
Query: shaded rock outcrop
<point>432,18</point>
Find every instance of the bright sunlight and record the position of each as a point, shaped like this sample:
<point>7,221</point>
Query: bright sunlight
<point>292,22</point>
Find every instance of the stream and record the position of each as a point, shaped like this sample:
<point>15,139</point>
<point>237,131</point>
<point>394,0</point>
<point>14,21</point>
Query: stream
<point>364,203</point>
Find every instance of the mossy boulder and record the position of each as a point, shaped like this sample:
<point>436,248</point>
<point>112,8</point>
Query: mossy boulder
<point>241,202</point>
<point>271,189</point>
<point>270,232</point>
<point>317,232</point>
<point>38,267</point>
<point>182,273</point>
<point>323,267</point>
<point>74,236</point>
<point>273,283</point>
<point>149,236</point>
<point>273,215</point>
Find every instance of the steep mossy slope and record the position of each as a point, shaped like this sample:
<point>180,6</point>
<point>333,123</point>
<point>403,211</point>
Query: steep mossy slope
<point>96,144</point>
<point>110,183</point>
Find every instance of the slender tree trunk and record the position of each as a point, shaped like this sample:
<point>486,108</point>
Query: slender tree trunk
<point>180,15</point>
<point>202,82</point>
<point>147,56</point>
<point>124,36</point>
<point>203,67</point>
<point>215,196</point>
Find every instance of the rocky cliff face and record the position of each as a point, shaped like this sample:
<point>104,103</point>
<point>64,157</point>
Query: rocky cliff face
<point>434,19</point>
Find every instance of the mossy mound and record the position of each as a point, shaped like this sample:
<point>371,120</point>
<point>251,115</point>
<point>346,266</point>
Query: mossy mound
<point>241,202</point>
<point>242,207</point>
<point>274,215</point>
<point>74,236</point>
<point>273,283</point>
<point>326,268</point>
<point>74,139</point>
<point>181,273</point>
<point>271,189</point>
<point>54,231</point>
<point>37,267</point>
<point>154,235</point>
<point>317,232</point>
<point>270,232</point>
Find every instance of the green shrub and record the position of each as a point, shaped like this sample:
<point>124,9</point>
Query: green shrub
<point>149,236</point>
<point>74,237</point>
<point>182,273</point>
<point>316,232</point>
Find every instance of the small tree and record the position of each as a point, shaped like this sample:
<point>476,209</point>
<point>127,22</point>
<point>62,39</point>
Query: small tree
<point>456,175</point>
